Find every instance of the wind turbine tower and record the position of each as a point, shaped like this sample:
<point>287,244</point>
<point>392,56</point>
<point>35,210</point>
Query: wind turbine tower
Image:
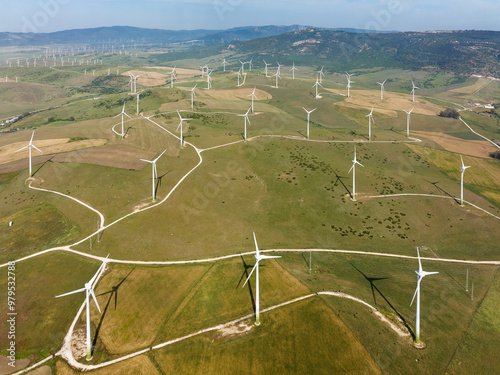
<point>253,97</point>
<point>89,291</point>
<point>349,83</point>
<point>408,121</point>
<point>421,274</point>
<point>258,258</point>
<point>382,89</point>
<point>293,70</point>
<point>308,115</point>
<point>155,172</point>
<point>353,169</point>
<point>462,172</point>
<point>123,114</point>
<point>29,147</point>
<point>180,126</point>
<point>370,120</point>
<point>413,90</point>
<point>246,119</point>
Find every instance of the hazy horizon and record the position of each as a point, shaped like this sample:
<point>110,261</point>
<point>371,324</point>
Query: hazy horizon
<point>45,16</point>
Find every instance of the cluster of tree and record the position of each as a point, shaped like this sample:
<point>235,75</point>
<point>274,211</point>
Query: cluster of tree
<point>450,113</point>
<point>495,155</point>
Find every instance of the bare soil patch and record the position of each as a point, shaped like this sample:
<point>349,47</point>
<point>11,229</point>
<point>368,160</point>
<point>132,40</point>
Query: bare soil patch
<point>392,102</point>
<point>449,143</point>
<point>47,146</point>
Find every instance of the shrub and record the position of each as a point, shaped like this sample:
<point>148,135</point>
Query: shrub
<point>450,113</point>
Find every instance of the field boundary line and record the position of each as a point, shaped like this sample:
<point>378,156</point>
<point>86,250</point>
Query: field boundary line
<point>476,133</point>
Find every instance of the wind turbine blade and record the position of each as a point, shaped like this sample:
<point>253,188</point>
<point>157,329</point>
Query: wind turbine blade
<point>117,115</point>
<point>73,292</point>
<point>269,256</point>
<point>36,148</point>
<point>32,135</point>
<point>256,246</point>
<point>179,114</point>
<point>23,148</point>
<point>419,262</point>
<point>253,269</point>
<point>159,156</point>
<point>353,164</point>
<point>357,162</point>
<point>416,290</point>
<point>147,161</point>
<point>95,299</point>
<point>127,115</point>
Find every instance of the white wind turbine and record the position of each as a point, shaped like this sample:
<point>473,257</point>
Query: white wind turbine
<point>308,115</point>
<point>349,83</point>
<point>172,77</point>
<point>250,64</point>
<point>224,63</point>
<point>89,290</point>
<point>246,119</point>
<point>180,126</point>
<point>293,70</point>
<point>382,89</point>
<point>239,76</point>
<point>266,67</point>
<point>258,258</point>
<point>193,94</point>
<point>209,79</point>
<point>138,94</point>
<point>462,172</point>
<point>155,172</point>
<point>413,88</point>
<point>353,169</point>
<point>317,84</point>
<point>277,75</point>
<point>421,274</point>
<point>370,120</point>
<point>408,121</point>
<point>321,74</point>
<point>123,114</point>
<point>253,97</point>
<point>29,147</point>
<point>242,66</point>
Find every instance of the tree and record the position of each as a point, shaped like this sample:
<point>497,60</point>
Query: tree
<point>450,113</point>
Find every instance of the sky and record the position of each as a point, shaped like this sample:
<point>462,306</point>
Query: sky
<point>388,15</point>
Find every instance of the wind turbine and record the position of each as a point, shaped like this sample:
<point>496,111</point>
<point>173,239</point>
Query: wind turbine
<point>253,97</point>
<point>242,67</point>
<point>155,173</point>
<point>138,94</point>
<point>172,77</point>
<point>408,121</point>
<point>123,114</point>
<point>321,74</point>
<point>317,84</point>
<point>29,147</point>
<point>89,290</point>
<point>293,70</point>
<point>246,119</point>
<point>308,115</point>
<point>193,95</point>
<point>250,64</point>
<point>370,119</point>
<point>277,75</point>
<point>353,169</point>
<point>462,171</point>
<point>413,89</point>
<point>258,258</point>
<point>421,274</point>
<point>382,89</point>
<point>180,126</point>
<point>209,79</point>
<point>349,83</point>
<point>224,63</point>
<point>266,67</point>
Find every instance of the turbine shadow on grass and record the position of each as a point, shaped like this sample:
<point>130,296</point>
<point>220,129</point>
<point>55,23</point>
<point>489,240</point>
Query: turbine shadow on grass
<point>158,181</point>
<point>43,165</point>
<point>126,131</point>
<point>443,191</point>
<point>462,288</point>
<point>243,277</point>
<point>374,288</point>
<point>339,178</point>
<point>113,291</point>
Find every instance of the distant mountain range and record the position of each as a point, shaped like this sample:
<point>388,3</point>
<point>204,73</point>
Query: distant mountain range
<point>120,34</point>
<point>462,52</point>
